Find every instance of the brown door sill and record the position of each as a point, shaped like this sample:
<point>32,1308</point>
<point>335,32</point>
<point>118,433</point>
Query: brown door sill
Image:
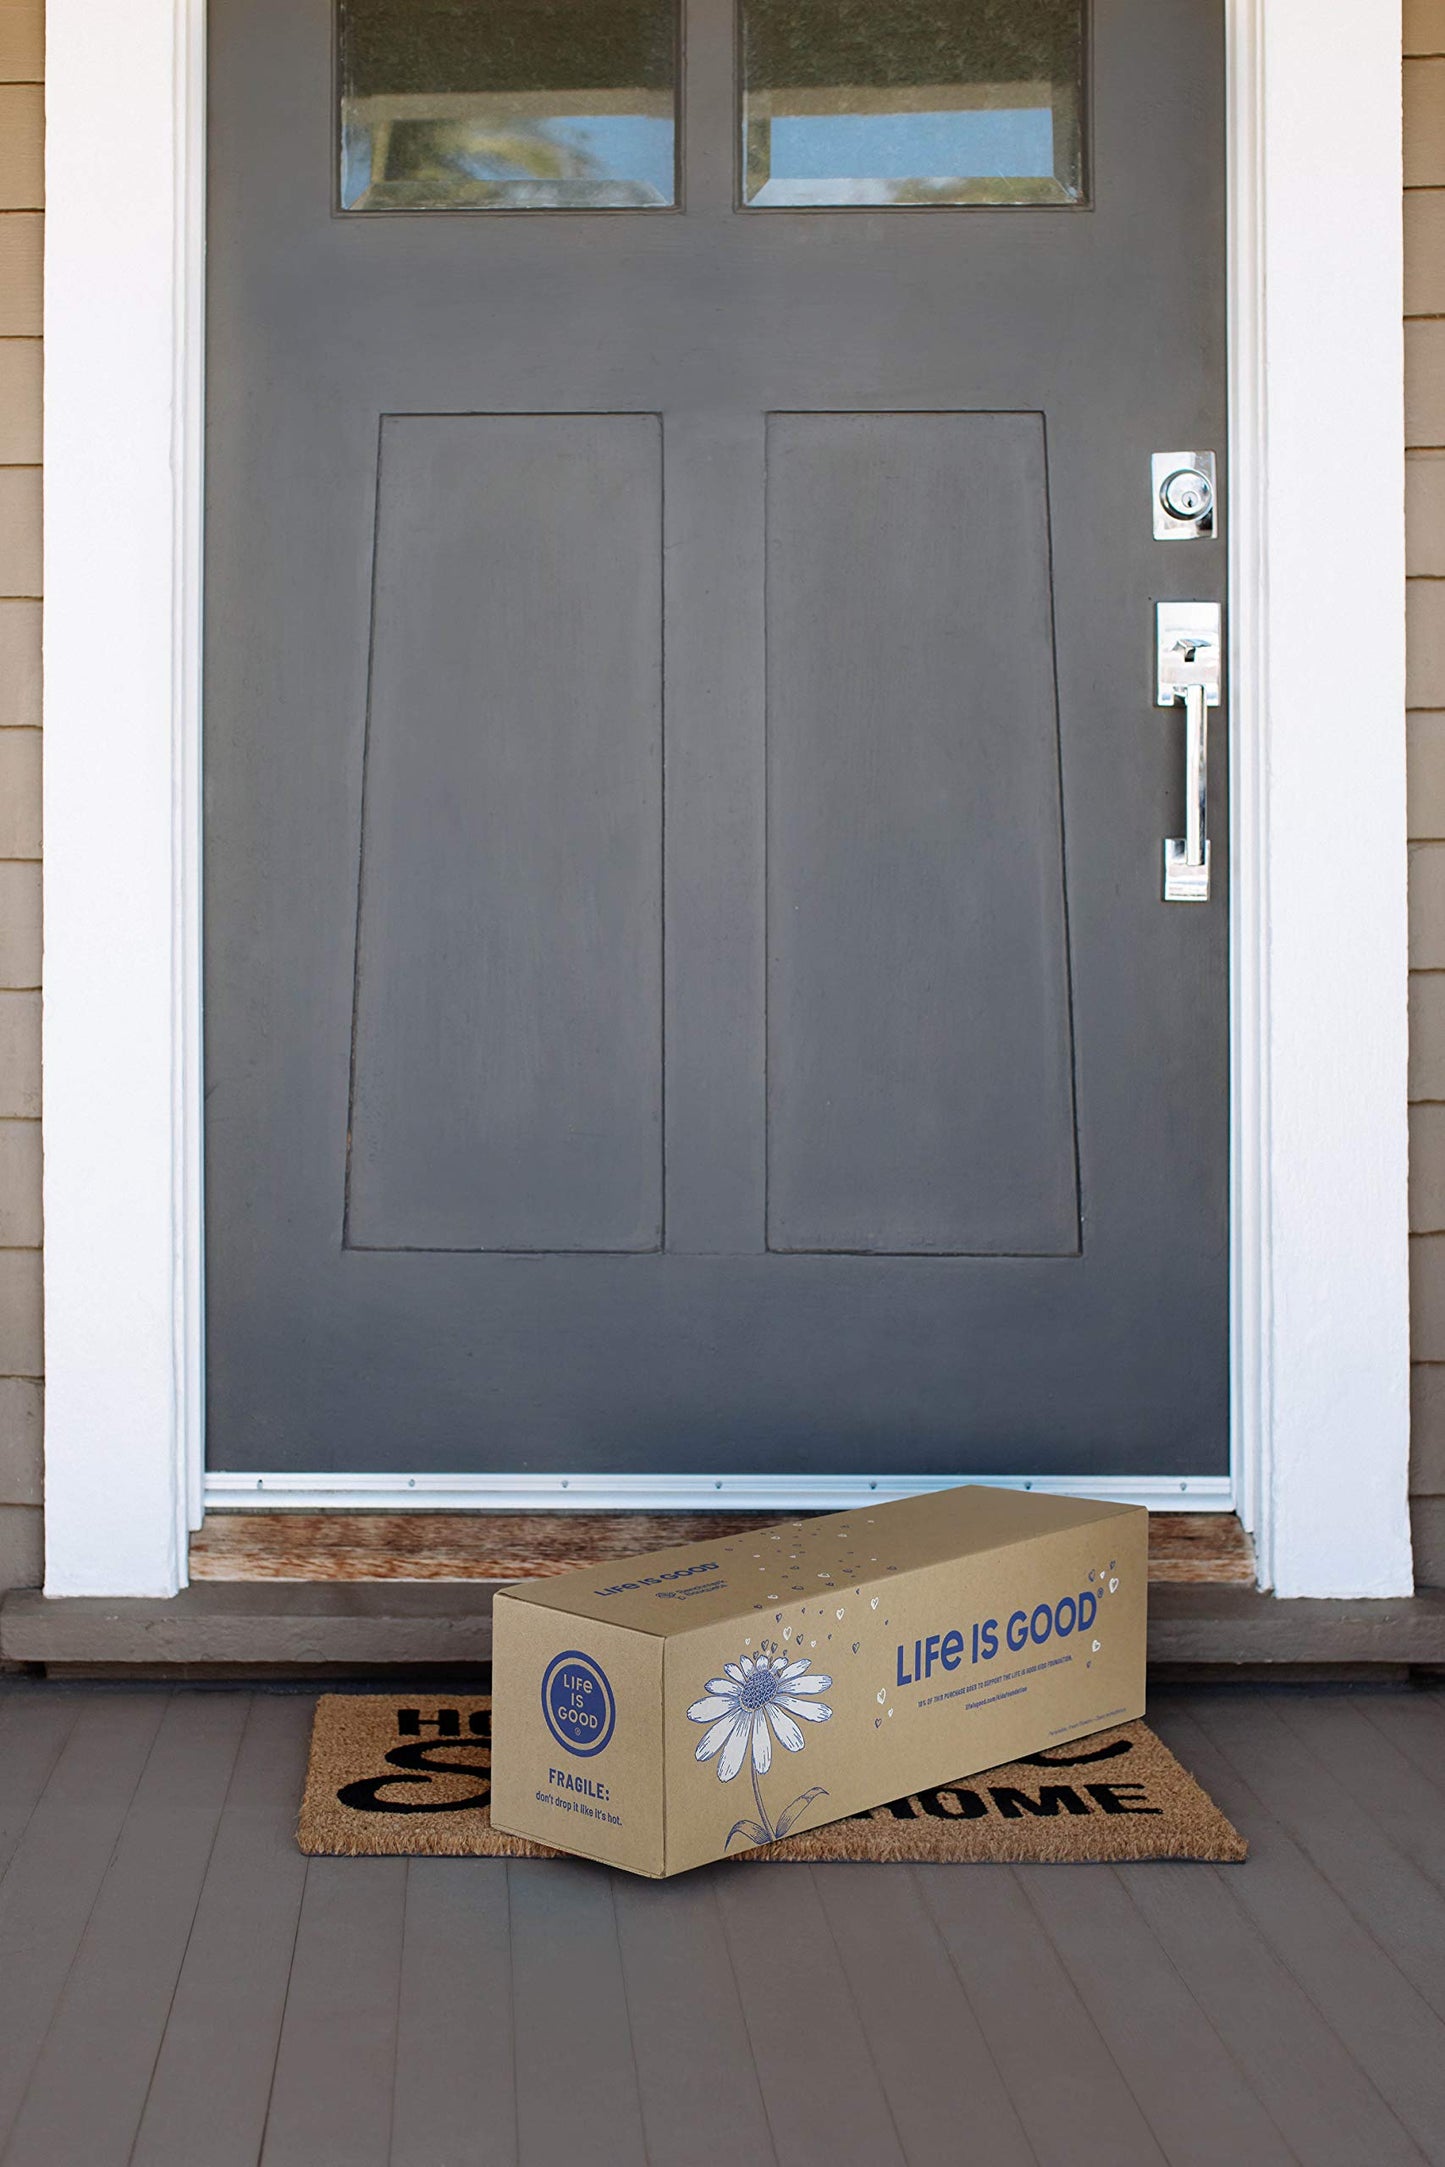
<point>1198,1548</point>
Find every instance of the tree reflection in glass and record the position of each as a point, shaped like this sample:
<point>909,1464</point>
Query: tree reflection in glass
<point>491,104</point>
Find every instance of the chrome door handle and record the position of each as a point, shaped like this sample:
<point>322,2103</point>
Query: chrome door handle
<point>1188,654</point>
<point>1196,782</point>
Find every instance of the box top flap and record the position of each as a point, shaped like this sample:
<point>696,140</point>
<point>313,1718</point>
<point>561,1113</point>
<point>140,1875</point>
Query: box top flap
<point>679,1590</point>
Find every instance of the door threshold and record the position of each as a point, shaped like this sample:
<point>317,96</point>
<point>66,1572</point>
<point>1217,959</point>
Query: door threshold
<point>1208,1549</point>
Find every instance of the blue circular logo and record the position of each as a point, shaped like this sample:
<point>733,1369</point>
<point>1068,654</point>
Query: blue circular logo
<point>578,1703</point>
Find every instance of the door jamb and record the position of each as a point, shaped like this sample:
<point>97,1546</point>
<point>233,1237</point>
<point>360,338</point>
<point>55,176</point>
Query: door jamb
<point>1320,1289</point>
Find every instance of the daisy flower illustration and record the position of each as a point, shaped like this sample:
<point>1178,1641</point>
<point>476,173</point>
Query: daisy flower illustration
<point>755,1701</point>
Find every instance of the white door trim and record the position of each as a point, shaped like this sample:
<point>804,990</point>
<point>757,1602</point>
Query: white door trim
<point>1320,1263</point>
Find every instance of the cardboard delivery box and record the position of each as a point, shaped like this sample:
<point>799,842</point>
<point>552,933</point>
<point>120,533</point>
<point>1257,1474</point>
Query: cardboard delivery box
<point>660,1711</point>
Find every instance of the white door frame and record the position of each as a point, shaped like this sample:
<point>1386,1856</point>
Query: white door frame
<point>1320,1306</point>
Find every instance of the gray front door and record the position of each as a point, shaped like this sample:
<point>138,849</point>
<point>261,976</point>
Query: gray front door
<point>688,986</point>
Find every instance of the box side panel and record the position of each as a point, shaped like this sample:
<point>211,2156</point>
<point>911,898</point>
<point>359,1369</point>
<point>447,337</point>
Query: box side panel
<point>577,1735</point>
<point>930,1675</point>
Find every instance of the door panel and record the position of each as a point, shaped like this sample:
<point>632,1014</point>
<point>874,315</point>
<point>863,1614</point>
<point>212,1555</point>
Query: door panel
<point>507,1065</point>
<point>797,1067</point>
<point>920,1078</point>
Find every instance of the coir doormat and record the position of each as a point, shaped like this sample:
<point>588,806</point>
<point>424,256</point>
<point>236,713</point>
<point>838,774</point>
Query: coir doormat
<point>388,1778</point>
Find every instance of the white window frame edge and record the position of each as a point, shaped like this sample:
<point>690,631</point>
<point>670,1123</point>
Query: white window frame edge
<point>1320,1301</point>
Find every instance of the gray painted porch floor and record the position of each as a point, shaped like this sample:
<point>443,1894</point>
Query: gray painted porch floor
<point>180,1988</point>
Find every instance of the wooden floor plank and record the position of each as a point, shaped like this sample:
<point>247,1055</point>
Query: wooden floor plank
<point>454,2104</point>
<point>1373,2009</point>
<point>932,2056</point>
<point>33,1730</point>
<point>830,2105</point>
<point>208,2096</point>
<point>577,2090</point>
<point>701,2105</point>
<point>825,2099</point>
<point>332,2094</point>
<point>1191,2091</point>
<point>1387,1892</point>
<point>1414,1722</point>
<point>1384,1784</point>
<point>1323,2103</point>
<point>88,2087</point>
<point>55,1873</point>
<point>1072,2099</point>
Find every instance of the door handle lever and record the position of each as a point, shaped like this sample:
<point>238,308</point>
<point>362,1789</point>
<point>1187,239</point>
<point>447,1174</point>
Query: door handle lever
<point>1187,646</point>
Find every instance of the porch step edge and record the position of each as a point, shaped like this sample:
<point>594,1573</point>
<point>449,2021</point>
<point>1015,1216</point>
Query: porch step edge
<point>251,1624</point>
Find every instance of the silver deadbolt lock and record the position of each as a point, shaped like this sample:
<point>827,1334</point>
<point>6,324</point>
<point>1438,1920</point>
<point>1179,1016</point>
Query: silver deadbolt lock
<point>1183,495</point>
<point>1188,494</point>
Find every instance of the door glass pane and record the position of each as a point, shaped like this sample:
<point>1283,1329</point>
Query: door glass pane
<point>507,104</point>
<point>871,102</point>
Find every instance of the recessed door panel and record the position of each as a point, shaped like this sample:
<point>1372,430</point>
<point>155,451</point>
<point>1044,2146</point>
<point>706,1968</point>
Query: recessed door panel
<point>507,1067</point>
<point>920,1063</point>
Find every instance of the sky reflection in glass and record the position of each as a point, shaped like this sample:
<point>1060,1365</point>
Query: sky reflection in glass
<point>912,102</point>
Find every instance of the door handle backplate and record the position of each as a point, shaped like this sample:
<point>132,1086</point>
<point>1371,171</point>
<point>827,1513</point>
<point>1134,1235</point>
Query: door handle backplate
<point>1188,650</point>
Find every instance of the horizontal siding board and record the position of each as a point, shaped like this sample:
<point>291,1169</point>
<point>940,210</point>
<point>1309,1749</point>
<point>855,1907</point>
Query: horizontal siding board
<point>1427,906</point>
<point>22,276</point>
<point>1425,777</point>
<point>22,41</point>
<point>22,1547</point>
<point>1427,1169</point>
<point>20,1184</point>
<point>22,147</point>
<point>19,1056</point>
<point>19,925</point>
<point>22,1344</point>
<point>1425,382</point>
<point>1424,123</point>
<point>1427,1035</point>
<point>20,402</point>
<point>1427,1297</point>
<point>19,666</point>
<point>19,793</point>
<point>1425,513</point>
<point>1424,26</point>
<point>21,1415</point>
<point>1427,1429</point>
<point>1424,252</point>
<point>1425,620</point>
<point>20,531</point>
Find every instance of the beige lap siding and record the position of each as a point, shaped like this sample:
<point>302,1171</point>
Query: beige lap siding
<point>21,138</point>
<point>1425,437</point>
